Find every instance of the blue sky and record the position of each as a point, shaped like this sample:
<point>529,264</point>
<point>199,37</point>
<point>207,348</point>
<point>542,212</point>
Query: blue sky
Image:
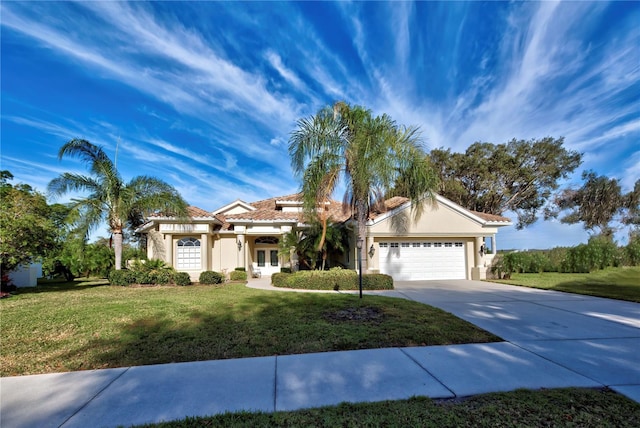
<point>205,94</point>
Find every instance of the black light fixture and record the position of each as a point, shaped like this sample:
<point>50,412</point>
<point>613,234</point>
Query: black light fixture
<point>359,245</point>
<point>372,251</point>
<point>239,245</point>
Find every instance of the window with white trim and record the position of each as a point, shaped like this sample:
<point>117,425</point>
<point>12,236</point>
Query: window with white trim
<point>188,254</point>
<point>405,245</point>
<point>270,240</point>
<point>261,258</point>
<point>458,244</point>
<point>384,245</point>
<point>415,245</point>
<point>448,244</point>
<point>437,244</point>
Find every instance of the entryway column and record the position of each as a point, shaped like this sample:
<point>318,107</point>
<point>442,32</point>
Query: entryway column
<point>204,251</point>
<point>242,248</point>
<point>478,252</point>
<point>168,249</point>
<point>478,272</point>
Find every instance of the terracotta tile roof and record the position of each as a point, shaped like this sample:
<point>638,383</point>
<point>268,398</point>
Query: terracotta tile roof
<point>198,212</point>
<point>192,211</point>
<point>490,217</point>
<point>389,204</point>
<point>270,204</point>
<point>266,210</point>
<point>265,214</point>
<point>225,224</point>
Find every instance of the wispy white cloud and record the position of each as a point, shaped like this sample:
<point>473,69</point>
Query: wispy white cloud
<point>276,62</point>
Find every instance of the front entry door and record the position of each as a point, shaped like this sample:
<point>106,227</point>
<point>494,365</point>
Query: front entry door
<point>267,261</point>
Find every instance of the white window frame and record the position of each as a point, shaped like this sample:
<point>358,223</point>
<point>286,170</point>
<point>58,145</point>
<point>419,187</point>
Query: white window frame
<point>188,253</point>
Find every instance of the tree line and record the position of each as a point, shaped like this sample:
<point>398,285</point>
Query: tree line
<point>372,156</point>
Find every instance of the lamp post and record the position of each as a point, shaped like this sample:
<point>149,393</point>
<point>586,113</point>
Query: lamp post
<point>359,245</point>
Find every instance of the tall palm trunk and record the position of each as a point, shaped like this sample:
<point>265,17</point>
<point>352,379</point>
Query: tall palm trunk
<point>117,248</point>
<point>362,234</point>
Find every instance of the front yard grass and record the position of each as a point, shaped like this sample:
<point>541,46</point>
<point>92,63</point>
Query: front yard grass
<point>570,407</point>
<point>84,325</point>
<point>615,283</point>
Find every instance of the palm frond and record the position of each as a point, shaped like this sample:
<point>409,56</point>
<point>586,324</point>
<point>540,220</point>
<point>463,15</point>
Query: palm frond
<point>69,182</point>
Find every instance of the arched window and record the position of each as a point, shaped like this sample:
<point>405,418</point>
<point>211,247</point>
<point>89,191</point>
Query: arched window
<point>188,254</point>
<point>270,240</point>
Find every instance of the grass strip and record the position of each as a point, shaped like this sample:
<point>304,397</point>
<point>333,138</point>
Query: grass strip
<point>568,407</point>
<point>615,283</point>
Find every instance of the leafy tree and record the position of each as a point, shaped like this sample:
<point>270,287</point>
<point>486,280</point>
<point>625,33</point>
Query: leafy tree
<point>110,199</point>
<point>344,143</point>
<point>597,204</point>
<point>28,228</point>
<point>518,176</point>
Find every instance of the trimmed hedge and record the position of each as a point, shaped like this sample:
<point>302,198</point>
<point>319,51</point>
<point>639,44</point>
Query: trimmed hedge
<point>334,279</point>
<point>238,275</point>
<point>210,277</point>
<point>280,279</point>
<point>122,277</point>
<point>126,277</point>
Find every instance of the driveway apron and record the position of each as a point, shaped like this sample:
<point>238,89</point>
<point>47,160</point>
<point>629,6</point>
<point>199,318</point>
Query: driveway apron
<point>594,337</point>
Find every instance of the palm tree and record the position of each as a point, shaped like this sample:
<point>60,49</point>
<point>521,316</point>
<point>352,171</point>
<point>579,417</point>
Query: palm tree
<point>343,142</point>
<point>122,205</point>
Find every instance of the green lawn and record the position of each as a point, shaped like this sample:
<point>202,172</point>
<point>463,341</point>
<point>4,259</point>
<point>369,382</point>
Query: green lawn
<point>587,408</point>
<point>83,325</point>
<point>614,283</point>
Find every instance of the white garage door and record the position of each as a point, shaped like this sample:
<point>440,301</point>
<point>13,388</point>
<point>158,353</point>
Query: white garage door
<point>410,261</point>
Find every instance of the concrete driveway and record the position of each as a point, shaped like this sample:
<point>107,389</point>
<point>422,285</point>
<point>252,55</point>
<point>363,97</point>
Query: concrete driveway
<point>595,337</point>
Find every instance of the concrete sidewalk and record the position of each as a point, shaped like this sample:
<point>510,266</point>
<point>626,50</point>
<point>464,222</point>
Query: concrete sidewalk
<point>553,340</point>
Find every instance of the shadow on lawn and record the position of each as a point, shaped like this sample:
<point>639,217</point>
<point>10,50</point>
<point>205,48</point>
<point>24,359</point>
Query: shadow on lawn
<point>600,288</point>
<point>252,327</point>
<point>57,285</point>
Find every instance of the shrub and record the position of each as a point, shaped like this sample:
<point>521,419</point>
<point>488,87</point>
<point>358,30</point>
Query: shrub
<point>238,275</point>
<point>632,251</point>
<point>377,281</point>
<point>163,277</point>
<point>122,277</point>
<point>280,279</point>
<point>285,270</point>
<point>211,277</point>
<point>241,269</point>
<point>515,262</point>
<point>181,278</point>
<point>556,256</point>
<point>598,253</point>
<point>333,279</point>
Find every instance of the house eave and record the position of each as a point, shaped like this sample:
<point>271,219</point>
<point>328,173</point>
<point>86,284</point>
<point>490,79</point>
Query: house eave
<point>442,200</point>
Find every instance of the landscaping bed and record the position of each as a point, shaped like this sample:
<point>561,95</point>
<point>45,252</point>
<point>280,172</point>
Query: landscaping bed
<point>334,279</point>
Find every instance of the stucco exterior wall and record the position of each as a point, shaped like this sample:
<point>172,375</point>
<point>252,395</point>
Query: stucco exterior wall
<point>225,256</point>
<point>436,220</point>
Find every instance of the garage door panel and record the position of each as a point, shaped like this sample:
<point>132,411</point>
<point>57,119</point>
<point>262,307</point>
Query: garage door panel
<point>426,260</point>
